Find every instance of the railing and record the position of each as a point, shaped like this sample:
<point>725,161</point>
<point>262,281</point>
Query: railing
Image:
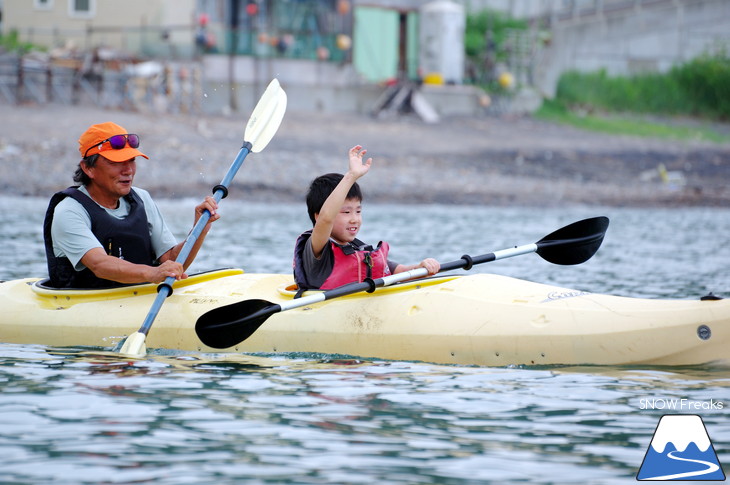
<point>188,42</point>
<point>129,86</point>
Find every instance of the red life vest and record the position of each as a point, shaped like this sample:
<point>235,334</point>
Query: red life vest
<point>353,263</point>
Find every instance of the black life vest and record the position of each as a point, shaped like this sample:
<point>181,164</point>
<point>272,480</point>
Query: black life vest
<point>127,238</point>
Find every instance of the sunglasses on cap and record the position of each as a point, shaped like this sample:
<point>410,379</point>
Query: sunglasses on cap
<point>117,142</point>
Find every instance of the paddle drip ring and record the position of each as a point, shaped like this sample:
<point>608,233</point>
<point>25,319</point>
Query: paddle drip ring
<point>469,262</point>
<point>222,188</point>
<point>165,285</point>
<point>371,285</point>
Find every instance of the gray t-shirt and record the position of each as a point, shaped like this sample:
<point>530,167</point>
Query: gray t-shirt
<point>71,228</point>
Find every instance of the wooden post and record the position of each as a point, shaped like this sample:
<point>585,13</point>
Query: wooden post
<point>76,85</point>
<point>100,85</point>
<point>402,46</point>
<point>49,83</point>
<point>20,81</point>
<point>197,89</point>
<point>233,101</point>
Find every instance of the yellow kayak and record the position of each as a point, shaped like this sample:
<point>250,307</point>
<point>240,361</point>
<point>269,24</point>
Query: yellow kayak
<point>479,319</point>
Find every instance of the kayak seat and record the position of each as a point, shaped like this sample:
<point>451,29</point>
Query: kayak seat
<point>45,283</point>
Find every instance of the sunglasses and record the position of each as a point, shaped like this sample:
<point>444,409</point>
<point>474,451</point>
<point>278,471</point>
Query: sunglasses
<point>117,142</point>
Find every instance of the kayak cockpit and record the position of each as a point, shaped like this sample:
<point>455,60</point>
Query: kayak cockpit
<point>77,295</point>
<point>289,290</point>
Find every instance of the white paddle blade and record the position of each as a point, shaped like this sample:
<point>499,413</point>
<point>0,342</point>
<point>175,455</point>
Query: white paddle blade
<point>266,117</point>
<point>269,129</point>
<point>134,346</point>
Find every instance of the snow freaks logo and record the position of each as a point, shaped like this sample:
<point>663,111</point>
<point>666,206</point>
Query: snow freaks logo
<point>681,449</point>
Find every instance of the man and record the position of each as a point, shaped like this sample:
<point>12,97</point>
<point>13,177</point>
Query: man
<point>105,233</point>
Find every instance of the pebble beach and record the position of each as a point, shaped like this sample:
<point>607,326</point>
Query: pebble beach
<point>481,160</point>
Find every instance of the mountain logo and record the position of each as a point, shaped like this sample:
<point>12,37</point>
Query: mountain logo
<point>681,449</point>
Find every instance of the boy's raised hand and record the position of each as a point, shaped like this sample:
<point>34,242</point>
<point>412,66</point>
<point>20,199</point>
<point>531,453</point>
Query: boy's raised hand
<point>358,168</point>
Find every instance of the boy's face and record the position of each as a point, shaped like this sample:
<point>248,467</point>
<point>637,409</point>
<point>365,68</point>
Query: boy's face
<point>348,221</point>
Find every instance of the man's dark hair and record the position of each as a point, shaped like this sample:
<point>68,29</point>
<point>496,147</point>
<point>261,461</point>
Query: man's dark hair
<point>322,187</point>
<point>80,176</point>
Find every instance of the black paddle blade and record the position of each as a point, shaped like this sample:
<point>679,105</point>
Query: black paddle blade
<point>575,243</point>
<point>230,325</point>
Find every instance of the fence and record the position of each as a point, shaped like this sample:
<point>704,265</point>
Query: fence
<point>145,86</point>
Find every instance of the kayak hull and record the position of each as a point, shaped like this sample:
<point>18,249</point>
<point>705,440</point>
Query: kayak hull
<point>479,319</point>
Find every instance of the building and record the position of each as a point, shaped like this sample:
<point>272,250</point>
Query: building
<point>332,49</point>
<point>142,27</point>
<point>337,52</point>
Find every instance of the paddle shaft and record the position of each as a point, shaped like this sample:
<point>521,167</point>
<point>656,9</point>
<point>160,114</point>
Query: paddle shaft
<point>229,325</point>
<point>465,262</point>
<point>220,191</point>
<point>587,233</point>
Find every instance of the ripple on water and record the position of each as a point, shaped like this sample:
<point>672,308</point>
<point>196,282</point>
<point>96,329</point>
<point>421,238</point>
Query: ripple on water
<point>85,416</point>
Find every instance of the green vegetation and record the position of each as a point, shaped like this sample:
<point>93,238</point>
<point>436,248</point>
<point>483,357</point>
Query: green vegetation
<point>699,89</point>
<point>10,43</point>
<point>486,25</point>
<point>486,42</point>
<point>628,124</point>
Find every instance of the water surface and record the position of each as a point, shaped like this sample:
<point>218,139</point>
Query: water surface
<point>87,416</point>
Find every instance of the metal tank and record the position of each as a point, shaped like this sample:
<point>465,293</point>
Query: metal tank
<point>441,39</point>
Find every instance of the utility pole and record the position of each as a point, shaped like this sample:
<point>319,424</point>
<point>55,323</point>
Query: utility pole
<point>234,10</point>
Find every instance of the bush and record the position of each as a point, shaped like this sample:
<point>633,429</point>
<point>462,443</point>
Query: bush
<point>699,88</point>
<point>11,43</point>
<point>477,26</point>
<point>484,52</point>
<point>706,80</point>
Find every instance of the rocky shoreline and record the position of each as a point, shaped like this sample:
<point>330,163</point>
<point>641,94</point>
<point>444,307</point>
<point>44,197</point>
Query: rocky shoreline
<point>460,160</point>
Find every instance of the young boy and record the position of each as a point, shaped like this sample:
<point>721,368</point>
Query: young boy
<point>329,255</point>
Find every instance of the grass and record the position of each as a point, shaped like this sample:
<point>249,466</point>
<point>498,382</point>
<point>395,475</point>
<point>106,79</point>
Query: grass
<point>630,125</point>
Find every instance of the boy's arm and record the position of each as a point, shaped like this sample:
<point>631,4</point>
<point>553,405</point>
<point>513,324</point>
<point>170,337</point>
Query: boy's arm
<point>331,207</point>
<point>431,265</point>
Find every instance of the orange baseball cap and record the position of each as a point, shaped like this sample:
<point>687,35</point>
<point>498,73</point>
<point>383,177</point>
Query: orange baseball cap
<point>94,138</point>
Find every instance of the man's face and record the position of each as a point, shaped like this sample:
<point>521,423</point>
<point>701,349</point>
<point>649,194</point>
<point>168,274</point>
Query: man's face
<point>112,179</point>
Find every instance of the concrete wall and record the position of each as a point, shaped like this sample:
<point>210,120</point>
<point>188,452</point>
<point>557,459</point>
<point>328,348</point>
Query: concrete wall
<point>310,85</point>
<point>314,86</point>
<point>115,24</point>
<point>631,37</point>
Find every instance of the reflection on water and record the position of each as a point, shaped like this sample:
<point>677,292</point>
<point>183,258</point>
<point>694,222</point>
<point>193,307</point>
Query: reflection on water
<point>87,416</point>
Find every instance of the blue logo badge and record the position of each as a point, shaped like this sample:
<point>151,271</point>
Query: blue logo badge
<point>679,450</point>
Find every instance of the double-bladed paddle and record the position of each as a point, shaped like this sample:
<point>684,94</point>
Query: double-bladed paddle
<point>262,125</point>
<point>229,325</point>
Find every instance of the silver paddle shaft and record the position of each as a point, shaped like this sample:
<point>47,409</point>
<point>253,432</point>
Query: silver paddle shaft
<point>407,275</point>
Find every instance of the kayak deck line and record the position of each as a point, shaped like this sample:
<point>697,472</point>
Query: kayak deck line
<point>290,290</point>
<point>477,319</point>
<point>71,296</point>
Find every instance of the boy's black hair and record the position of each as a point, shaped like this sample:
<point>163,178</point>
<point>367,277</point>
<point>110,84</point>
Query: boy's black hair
<point>322,187</point>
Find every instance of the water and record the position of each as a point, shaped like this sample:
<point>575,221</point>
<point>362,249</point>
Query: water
<point>86,416</point>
